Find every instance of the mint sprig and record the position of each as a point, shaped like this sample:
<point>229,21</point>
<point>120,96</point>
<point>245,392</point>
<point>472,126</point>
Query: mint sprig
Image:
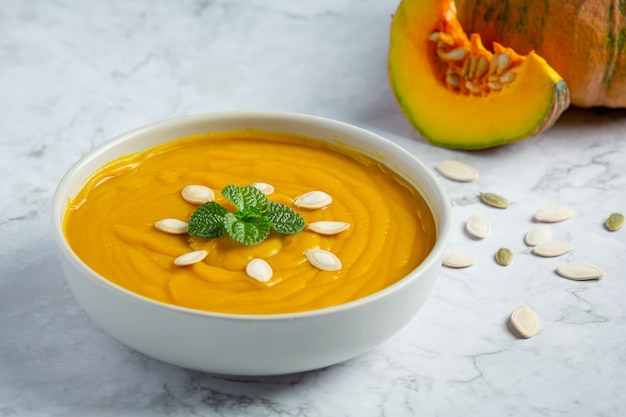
<point>250,224</point>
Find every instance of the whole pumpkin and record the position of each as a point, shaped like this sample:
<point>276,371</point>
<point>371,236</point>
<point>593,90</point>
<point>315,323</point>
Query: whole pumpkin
<point>583,40</point>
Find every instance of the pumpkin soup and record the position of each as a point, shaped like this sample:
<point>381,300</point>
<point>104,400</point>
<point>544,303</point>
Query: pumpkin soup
<point>128,224</point>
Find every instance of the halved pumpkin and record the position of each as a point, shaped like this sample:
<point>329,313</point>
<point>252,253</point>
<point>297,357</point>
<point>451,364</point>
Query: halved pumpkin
<point>457,93</point>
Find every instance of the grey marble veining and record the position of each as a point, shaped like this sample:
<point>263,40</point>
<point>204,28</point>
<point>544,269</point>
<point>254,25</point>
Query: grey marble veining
<point>76,73</point>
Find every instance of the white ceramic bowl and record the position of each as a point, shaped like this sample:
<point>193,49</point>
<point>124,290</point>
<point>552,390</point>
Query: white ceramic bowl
<point>252,344</point>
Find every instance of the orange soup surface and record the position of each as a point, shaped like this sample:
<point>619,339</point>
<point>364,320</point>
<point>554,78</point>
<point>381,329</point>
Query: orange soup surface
<point>110,223</point>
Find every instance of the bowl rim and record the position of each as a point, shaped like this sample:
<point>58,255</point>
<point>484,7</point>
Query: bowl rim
<point>442,235</point>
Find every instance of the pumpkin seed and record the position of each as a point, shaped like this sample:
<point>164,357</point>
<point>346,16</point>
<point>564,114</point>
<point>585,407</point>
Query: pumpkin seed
<point>190,258</point>
<point>553,213</point>
<point>538,235</point>
<point>525,321</point>
<point>456,170</point>
<point>508,77</point>
<point>552,249</point>
<point>446,39</point>
<point>327,227</point>
<point>197,194</point>
<point>503,61</point>
<point>614,222</point>
<point>259,270</point>
<point>453,79</point>
<point>473,66</point>
<point>323,259</point>
<point>477,226</point>
<point>482,67</point>
<point>504,256</point>
<point>494,200</point>
<point>265,188</point>
<point>172,226</point>
<point>494,85</point>
<point>456,54</point>
<point>580,272</point>
<point>493,65</point>
<point>313,200</point>
<point>434,37</point>
<point>472,87</point>
<point>458,260</point>
<point>466,69</point>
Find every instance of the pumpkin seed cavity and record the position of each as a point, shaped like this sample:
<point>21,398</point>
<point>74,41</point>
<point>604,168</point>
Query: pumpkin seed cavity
<point>471,69</point>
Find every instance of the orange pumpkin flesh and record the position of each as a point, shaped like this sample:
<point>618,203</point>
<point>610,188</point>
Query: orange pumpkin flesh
<point>583,40</point>
<point>458,94</point>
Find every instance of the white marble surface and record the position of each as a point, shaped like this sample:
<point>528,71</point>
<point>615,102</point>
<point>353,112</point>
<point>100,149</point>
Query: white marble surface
<point>75,73</point>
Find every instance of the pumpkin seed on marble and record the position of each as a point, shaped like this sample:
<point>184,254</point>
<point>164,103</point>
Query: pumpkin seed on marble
<point>494,200</point>
<point>538,235</point>
<point>458,260</point>
<point>457,171</point>
<point>553,214</point>
<point>525,321</point>
<point>580,272</point>
<point>614,222</point>
<point>504,256</point>
<point>552,249</point>
<point>477,227</point>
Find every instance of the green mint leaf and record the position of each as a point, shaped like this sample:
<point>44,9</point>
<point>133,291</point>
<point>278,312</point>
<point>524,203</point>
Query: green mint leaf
<point>248,232</point>
<point>207,222</point>
<point>248,213</point>
<point>284,219</point>
<point>250,223</point>
<point>244,197</point>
